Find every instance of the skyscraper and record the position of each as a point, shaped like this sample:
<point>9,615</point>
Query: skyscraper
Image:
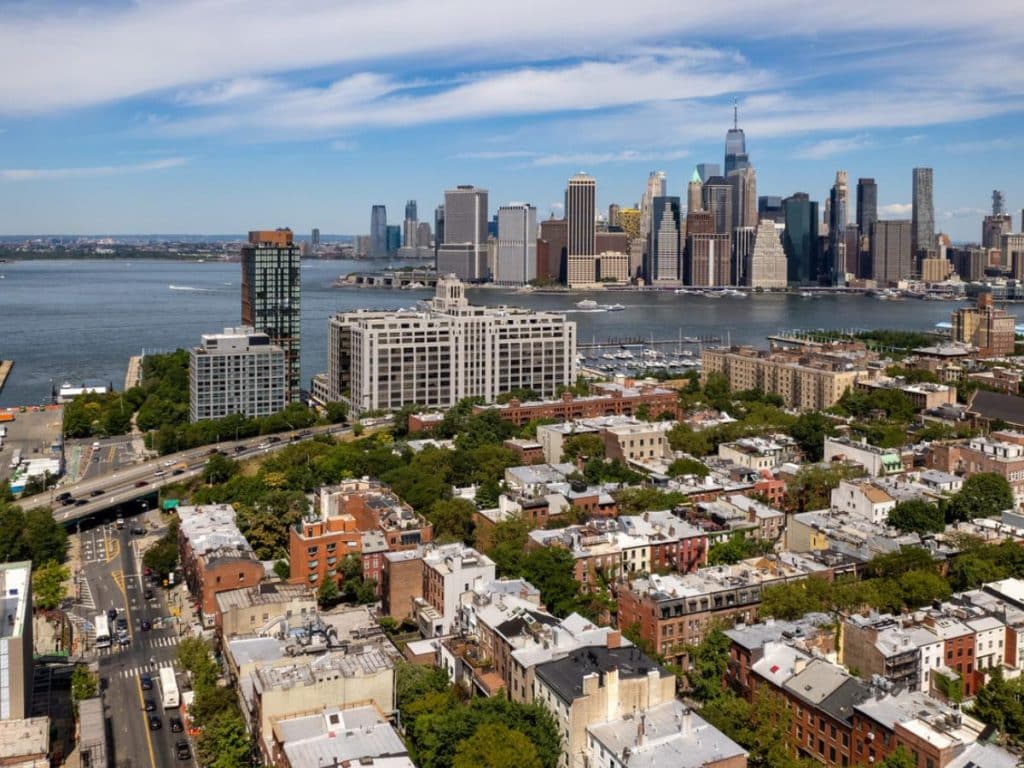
<point>423,237</point>
<point>707,170</point>
<point>378,233</point>
<point>663,262</point>
<point>555,233</point>
<point>314,238</point>
<point>410,210</point>
<point>998,203</point>
<point>922,225</point>
<point>464,251</point>
<point>718,202</point>
<point>580,210</point>
<point>867,205</point>
<point>735,146</point>
<point>770,207</point>
<point>271,296</point>
<point>694,193</point>
<point>657,186</point>
<point>613,215</point>
<point>993,228</point>
<point>767,265</point>
<point>708,259</point>
<point>891,251</point>
<point>410,225</point>
<point>839,199</point>
<point>394,239</point>
<point>517,244</point>
<point>800,239</point>
<point>744,197</point>
<point>438,228</point>
<point>743,239</point>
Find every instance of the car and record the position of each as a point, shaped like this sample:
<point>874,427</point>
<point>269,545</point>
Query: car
<point>147,571</point>
<point>155,723</point>
<point>176,725</point>
<point>273,439</point>
<point>104,683</point>
<point>67,502</point>
<point>81,502</point>
<point>177,471</point>
<point>213,451</point>
<point>145,625</point>
<point>141,484</point>
<point>123,639</point>
<point>146,682</point>
<point>181,749</point>
<point>122,623</point>
<point>168,463</point>
<point>97,492</point>
<point>138,530</point>
<point>239,448</point>
<point>62,496</point>
<point>148,593</point>
<point>111,614</point>
<point>149,705</point>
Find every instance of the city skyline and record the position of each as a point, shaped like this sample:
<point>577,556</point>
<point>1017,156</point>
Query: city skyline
<point>181,143</point>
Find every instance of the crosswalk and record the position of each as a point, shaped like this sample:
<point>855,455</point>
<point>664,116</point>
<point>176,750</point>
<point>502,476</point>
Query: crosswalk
<point>141,641</point>
<point>143,669</point>
<point>85,593</point>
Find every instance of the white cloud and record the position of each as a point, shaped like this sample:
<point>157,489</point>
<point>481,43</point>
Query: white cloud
<point>895,209</point>
<point>961,213</point>
<point>837,146</point>
<point>982,145</point>
<point>495,155</point>
<point>581,159</point>
<point>228,91</point>
<point>53,174</point>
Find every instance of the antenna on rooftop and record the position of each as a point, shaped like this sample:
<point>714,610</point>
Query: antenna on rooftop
<point>735,113</point>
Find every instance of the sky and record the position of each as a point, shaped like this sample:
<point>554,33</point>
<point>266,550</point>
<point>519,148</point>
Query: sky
<point>220,116</point>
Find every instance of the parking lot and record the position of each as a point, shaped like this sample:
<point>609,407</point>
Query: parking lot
<point>32,432</point>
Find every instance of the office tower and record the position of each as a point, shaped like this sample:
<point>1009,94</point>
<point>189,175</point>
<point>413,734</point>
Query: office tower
<point>611,242</point>
<point>438,228</point>
<point>423,237</point>
<point>378,232</point>
<point>867,205</point>
<point>236,372</point>
<point>742,251</point>
<point>271,296</point>
<point>464,251</point>
<point>663,262</point>
<point>449,351</point>
<point>556,233</point>
<point>767,266</point>
<point>800,239</point>
<point>16,652</point>
<point>394,239</point>
<point>839,199</point>
<point>718,202</point>
<point>708,170</point>
<point>708,257</point>
<point>694,193</point>
<point>657,186</point>
<point>613,215</point>
<point>410,225</point>
<point>852,241</point>
<point>922,223</point>
<point>998,203</point>
<point>580,210</point>
<point>735,146</point>
<point>770,207</point>
<point>744,197</point>
<point>315,237</point>
<point>993,228</point>
<point>700,223</point>
<point>891,251</point>
<point>410,210</point>
<point>517,244</point>
<point>1012,247</point>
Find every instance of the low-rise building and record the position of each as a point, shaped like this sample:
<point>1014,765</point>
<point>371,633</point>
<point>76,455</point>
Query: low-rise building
<point>756,453</point>
<point>338,737</point>
<point>876,461</point>
<point>249,609</point>
<point>863,499</point>
<point>924,395</point>
<point>607,399</point>
<point>625,438</point>
<point>1000,452</point>
<point>25,742</point>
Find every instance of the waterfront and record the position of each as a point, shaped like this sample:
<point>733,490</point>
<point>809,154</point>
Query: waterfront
<point>74,320</point>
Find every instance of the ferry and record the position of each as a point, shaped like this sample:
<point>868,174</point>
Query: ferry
<point>586,304</point>
<point>616,308</point>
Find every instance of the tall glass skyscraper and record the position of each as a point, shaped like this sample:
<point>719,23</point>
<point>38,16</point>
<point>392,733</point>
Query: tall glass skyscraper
<point>922,219</point>
<point>663,253</point>
<point>839,200</point>
<point>271,294</point>
<point>735,146</point>
<point>867,205</point>
<point>378,232</point>
<point>800,239</point>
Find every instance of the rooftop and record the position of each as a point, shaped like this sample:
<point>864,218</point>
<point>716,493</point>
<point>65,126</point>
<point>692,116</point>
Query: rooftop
<point>565,676</point>
<point>15,579</point>
<point>24,739</point>
<point>211,529</point>
<point>336,736</point>
<point>265,593</point>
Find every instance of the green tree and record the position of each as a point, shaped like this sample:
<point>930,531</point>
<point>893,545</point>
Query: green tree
<point>328,595</point>
<point>550,569</point>
<point>162,557</point>
<point>224,742</point>
<point>983,495</point>
<point>84,684</point>
<point>452,519</point>
<point>494,745</point>
<point>219,469</point>
<point>47,540</point>
<point>812,486</point>
<point>737,547</point>
<point>1000,703</point>
<point>48,585</point>
<point>707,666</point>
<point>810,430</point>
<point>587,445</point>
<point>917,516</point>
<point>920,588</point>
<point>688,467</point>
<point>898,563</point>
<point>899,758</point>
<point>337,412</point>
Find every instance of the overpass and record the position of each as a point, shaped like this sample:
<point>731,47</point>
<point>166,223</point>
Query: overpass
<point>100,495</point>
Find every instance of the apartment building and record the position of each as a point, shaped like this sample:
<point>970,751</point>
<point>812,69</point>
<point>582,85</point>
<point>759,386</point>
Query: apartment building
<point>606,399</point>
<point>628,439</point>
<point>1000,452</point>
<point>446,352</point>
<point>238,371</point>
<point>16,650</point>
<point>925,396</point>
<point>986,327</point>
<point>250,609</point>
<point>756,453</point>
<point>862,499</point>
<point>875,461</point>
<point>333,736</point>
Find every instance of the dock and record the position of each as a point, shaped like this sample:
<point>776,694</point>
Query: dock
<point>638,341</point>
<point>5,371</point>
<point>407,279</point>
<point>133,377</point>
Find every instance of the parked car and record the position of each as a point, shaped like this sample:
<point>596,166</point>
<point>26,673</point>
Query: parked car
<point>176,724</point>
<point>97,492</point>
<point>141,484</point>
<point>181,749</point>
<point>155,724</point>
<point>138,530</point>
<point>122,623</point>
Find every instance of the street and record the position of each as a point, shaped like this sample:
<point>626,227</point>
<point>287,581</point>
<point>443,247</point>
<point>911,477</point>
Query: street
<point>111,578</point>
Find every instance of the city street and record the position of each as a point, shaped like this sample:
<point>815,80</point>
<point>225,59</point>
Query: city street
<point>112,578</point>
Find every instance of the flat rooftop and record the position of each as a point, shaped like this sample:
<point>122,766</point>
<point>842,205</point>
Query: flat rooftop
<point>14,593</point>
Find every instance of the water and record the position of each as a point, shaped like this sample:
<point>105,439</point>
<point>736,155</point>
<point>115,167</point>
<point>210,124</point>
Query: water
<point>74,320</point>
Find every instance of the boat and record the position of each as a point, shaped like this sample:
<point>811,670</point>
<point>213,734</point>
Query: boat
<point>616,308</point>
<point>806,295</point>
<point>586,304</point>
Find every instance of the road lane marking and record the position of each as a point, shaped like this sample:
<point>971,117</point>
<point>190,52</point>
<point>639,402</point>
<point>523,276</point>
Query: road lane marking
<point>145,717</point>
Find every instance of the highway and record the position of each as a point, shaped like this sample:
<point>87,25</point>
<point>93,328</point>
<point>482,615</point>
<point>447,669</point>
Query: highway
<point>131,483</point>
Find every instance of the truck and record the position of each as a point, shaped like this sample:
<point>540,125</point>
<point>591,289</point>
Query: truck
<point>6,417</point>
<point>102,626</point>
<point>169,688</point>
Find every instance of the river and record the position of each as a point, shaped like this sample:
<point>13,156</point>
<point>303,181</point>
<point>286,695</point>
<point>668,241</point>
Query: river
<point>74,320</point>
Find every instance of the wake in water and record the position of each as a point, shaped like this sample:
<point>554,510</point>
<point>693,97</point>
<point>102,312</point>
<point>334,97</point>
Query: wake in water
<point>190,288</point>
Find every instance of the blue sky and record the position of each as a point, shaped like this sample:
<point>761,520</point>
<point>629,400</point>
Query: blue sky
<point>211,117</point>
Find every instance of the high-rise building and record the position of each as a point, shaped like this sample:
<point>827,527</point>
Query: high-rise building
<point>922,237</point>
<point>891,259</point>
<point>394,239</point>
<point>517,244</point>
<point>410,225</point>
<point>800,239</point>
<point>271,296</point>
<point>993,228</point>
<point>447,352</point>
<point>556,233</point>
<point>998,202</point>
<point>770,207</point>
<point>708,170</point>
<point>235,372</point>
<point>743,239</point>
<point>629,222</point>
<point>464,251</point>
<point>718,202</point>
<point>580,209</point>
<point>423,237</point>
<point>744,197</point>
<point>984,326</point>
<point>663,262</point>
<point>613,215</point>
<point>694,193</point>
<point>378,232</point>
<point>1013,254</point>
<point>438,228</point>
<point>852,240</point>
<point>410,210</point>
<point>16,682</point>
<point>657,186</point>
<point>315,237</point>
<point>767,265</point>
<point>867,205</point>
<point>839,199</point>
<point>708,260</point>
<point>735,146</point>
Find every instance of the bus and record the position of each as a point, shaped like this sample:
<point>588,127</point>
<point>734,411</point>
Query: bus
<point>16,458</point>
<point>102,631</point>
<point>169,688</point>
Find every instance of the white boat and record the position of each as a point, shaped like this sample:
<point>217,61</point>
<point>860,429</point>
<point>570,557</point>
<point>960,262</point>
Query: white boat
<point>616,308</point>
<point>586,304</point>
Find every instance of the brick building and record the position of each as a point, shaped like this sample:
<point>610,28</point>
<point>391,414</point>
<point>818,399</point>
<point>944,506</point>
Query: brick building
<point>999,452</point>
<point>606,400</point>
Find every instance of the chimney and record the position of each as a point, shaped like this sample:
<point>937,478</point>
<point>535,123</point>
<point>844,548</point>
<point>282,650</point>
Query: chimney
<point>615,639</point>
<point>641,729</point>
<point>686,723</point>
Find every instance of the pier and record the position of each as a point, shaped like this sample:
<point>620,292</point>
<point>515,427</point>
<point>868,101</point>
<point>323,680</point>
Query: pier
<point>133,377</point>
<point>390,278</point>
<point>5,371</point>
<point>637,341</point>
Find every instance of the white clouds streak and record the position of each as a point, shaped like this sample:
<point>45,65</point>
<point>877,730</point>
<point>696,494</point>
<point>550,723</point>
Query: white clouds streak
<point>831,147</point>
<point>895,209</point>
<point>61,174</point>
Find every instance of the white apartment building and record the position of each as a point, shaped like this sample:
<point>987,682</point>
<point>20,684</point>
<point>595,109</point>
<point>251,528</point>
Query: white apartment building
<point>237,371</point>
<point>866,501</point>
<point>15,640</point>
<point>445,352</point>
